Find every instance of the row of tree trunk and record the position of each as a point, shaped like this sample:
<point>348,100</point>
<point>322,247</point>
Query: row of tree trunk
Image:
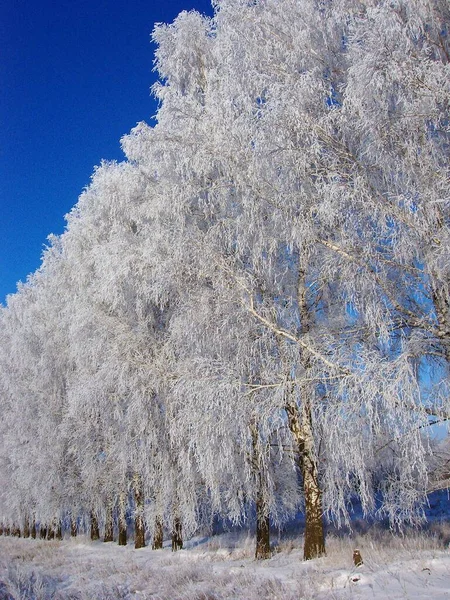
<point>300,426</point>
<point>56,532</point>
<point>314,541</point>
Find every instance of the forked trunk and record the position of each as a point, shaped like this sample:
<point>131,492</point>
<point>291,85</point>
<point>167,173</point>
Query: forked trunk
<point>109,527</point>
<point>177,535</point>
<point>158,534</point>
<point>43,533</point>
<point>95,531</point>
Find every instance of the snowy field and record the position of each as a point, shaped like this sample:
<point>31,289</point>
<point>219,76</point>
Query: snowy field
<point>218,568</point>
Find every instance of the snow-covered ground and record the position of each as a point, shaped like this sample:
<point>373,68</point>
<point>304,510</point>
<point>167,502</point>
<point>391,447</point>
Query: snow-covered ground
<point>416,566</point>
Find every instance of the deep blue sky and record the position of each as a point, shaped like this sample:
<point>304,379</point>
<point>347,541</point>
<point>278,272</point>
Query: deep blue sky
<point>74,77</point>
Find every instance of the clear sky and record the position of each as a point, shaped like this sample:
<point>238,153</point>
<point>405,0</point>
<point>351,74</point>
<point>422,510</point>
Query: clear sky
<point>75,75</point>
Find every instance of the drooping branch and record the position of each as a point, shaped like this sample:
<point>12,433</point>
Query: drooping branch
<point>293,338</point>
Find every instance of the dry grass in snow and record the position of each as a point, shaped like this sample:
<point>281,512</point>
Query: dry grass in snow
<point>416,566</point>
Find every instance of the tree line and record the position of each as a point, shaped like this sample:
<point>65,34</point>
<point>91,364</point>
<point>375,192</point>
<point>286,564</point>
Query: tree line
<point>249,316</point>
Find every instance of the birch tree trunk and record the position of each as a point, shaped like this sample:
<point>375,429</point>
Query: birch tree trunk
<point>158,535</point>
<point>109,529</point>
<point>26,527</point>
<point>73,527</point>
<point>177,535</point>
<point>262,550</point>
<point>122,532</point>
<point>16,531</point>
<point>301,429</point>
<point>122,520</point>
<point>262,526</point>
<point>139,525</point>
<point>95,531</point>
<point>59,535</point>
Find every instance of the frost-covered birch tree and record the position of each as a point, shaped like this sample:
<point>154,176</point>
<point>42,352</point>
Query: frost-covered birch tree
<point>34,372</point>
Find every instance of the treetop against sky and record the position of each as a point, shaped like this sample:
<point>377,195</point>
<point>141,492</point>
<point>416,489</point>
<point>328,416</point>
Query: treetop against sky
<point>75,77</point>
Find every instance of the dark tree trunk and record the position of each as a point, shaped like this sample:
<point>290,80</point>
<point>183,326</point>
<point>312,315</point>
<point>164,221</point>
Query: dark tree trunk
<point>262,529</point>
<point>122,533</point>
<point>122,520</point>
<point>262,550</point>
<point>109,527</point>
<point>43,533</point>
<point>51,533</point>
<point>177,535</point>
<point>139,525</point>
<point>16,531</point>
<point>158,534</point>
<point>33,529</point>
<point>73,527</point>
<point>58,534</point>
<point>139,533</point>
<point>95,532</point>
<point>26,528</point>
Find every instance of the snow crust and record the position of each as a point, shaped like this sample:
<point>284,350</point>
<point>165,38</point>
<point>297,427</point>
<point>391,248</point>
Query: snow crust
<point>222,567</point>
